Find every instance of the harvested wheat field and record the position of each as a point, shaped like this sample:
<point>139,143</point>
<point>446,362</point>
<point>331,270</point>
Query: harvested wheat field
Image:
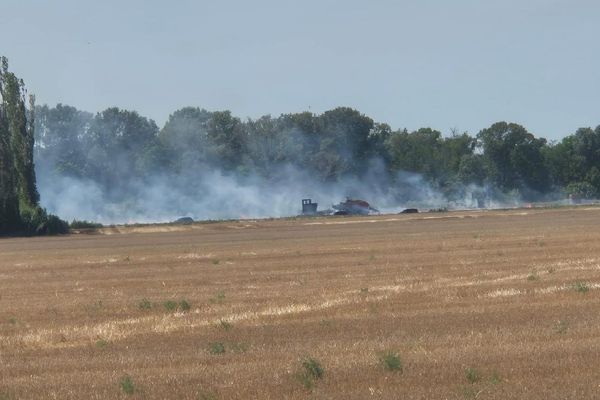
<point>460,305</point>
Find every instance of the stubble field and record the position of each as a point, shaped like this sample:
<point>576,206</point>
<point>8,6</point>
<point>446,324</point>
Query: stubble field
<point>487,305</point>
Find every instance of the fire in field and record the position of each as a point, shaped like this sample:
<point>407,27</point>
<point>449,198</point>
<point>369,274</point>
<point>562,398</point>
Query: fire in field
<point>459,305</point>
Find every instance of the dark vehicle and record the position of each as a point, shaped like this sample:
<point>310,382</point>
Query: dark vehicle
<point>308,207</point>
<point>409,211</point>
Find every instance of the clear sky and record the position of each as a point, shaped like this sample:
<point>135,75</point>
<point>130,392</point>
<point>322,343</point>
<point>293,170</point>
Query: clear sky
<point>447,64</point>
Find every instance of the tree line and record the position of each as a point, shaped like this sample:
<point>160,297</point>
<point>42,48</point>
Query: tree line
<point>116,147</point>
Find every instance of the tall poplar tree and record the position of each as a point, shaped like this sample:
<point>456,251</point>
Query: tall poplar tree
<point>19,199</point>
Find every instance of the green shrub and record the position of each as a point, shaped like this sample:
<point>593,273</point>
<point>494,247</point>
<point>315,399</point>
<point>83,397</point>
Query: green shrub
<point>36,221</point>
<point>55,226</point>
<point>561,327</point>
<point>203,395</point>
<point>495,379</point>
<point>581,287</point>
<point>391,361</point>
<point>145,304</point>
<point>83,224</point>
<point>532,277</point>
<point>127,385</point>
<point>170,305</point>
<point>311,371</point>
<point>216,348</point>
<point>313,368</point>
<point>219,297</point>
<point>184,305</point>
<point>472,375</point>
<point>226,325</point>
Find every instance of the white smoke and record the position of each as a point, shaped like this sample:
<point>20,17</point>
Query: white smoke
<point>212,194</point>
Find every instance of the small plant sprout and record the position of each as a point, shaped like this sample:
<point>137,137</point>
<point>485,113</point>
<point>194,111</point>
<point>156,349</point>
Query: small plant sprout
<point>581,287</point>
<point>216,348</point>
<point>225,325</point>
<point>216,261</point>
<point>532,277</point>
<point>495,378</point>
<point>391,361</point>
<point>184,305</point>
<point>311,371</point>
<point>127,385</point>
<point>145,304</point>
<point>239,347</point>
<point>170,305</point>
<point>204,395</point>
<point>313,368</point>
<point>101,343</point>
<point>561,327</point>
<point>472,375</point>
<point>219,297</point>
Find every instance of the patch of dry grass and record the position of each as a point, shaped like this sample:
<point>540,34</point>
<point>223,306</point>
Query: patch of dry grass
<point>449,293</point>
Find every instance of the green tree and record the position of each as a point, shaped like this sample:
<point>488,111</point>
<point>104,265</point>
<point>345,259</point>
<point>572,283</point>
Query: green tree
<point>266,144</point>
<point>344,144</point>
<point>185,138</point>
<point>228,144</point>
<point>514,158</point>
<point>117,139</point>
<point>574,162</point>
<point>417,152</point>
<point>9,201</point>
<point>62,136</point>
<point>21,132</point>
<point>19,198</point>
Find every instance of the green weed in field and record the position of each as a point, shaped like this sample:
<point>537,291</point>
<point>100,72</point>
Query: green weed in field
<point>127,385</point>
<point>391,361</point>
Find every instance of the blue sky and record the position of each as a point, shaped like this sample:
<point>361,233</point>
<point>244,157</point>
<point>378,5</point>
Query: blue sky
<point>447,64</point>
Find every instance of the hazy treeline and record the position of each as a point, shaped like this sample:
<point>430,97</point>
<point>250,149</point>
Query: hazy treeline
<point>123,159</point>
<point>19,198</point>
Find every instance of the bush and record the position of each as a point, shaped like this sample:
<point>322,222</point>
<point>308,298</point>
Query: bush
<point>226,325</point>
<point>184,305</point>
<point>581,287</point>
<point>145,304</point>
<point>126,384</point>
<point>55,226</point>
<point>582,190</point>
<point>37,222</point>
<point>391,361</point>
<point>313,368</point>
<point>217,348</point>
<point>472,375</point>
<point>311,371</point>
<point>76,224</point>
